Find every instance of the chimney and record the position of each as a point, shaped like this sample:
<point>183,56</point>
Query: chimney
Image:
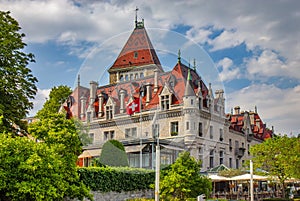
<point>93,87</point>
<point>122,101</point>
<point>101,100</point>
<point>155,80</point>
<point>237,110</point>
<point>83,106</point>
<point>148,92</point>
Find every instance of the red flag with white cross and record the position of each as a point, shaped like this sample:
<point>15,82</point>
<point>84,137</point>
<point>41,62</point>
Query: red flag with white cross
<point>133,106</point>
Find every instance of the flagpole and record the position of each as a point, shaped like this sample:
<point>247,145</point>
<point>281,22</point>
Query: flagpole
<point>141,142</point>
<point>157,168</point>
<point>141,134</point>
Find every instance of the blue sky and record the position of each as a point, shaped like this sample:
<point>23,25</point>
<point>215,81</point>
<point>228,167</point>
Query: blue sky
<point>248,48</point>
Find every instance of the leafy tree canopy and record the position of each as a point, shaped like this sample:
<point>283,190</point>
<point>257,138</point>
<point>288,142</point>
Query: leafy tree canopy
<point>62,136</point>
<point>279,156</point>
<point>17,84</point>
<point>113,154</point>
<point>34,171</point>
<point>183,180</point>
<point>58,95</point>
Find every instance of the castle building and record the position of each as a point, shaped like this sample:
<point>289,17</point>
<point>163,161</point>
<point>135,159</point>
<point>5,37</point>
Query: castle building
<point>142,103</point>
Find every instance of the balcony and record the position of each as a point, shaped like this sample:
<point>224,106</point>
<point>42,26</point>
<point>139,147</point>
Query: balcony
<point>239,152</point>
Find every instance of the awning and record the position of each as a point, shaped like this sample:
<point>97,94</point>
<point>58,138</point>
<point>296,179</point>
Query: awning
<point>134,148</point>
<point>172,147</point>
<point>90,153</point>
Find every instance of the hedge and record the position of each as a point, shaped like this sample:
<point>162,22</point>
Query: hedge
<point>118,179</point>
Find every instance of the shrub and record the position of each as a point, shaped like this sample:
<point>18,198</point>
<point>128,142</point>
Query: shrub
<point>113,154</point>
<point>106,179</point>
<point>277,199</point>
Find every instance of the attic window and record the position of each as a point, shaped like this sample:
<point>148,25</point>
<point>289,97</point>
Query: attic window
<point>135,54</point>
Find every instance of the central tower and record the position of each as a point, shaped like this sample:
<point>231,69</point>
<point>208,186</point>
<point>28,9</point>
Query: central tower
<point>137,59</point>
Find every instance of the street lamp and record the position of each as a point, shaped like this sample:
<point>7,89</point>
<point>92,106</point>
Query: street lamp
<point>157,165</point>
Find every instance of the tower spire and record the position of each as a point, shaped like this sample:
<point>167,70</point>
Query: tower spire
<point>136,12</point>
<point>188,87</point>
<point>179,56</point>
<point>78,80</point>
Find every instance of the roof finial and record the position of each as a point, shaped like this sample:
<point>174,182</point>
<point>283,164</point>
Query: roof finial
<point>194,64</point>
<point>189,63</point>
<point>255,109</point>
<point>136,11</point>
<point>78,80</point>
<point>189,77</point>
<point>179,58</point>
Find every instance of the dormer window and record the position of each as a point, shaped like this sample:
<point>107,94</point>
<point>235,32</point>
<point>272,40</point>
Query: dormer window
<point>109,112</point>
<point>135,55</point>
<point>165,98</point>
<point>165,102</point>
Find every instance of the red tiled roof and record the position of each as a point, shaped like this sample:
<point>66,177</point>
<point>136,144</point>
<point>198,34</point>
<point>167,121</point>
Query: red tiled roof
<point>132,88</point>
<point>258,127</point>
<point>137,51</point>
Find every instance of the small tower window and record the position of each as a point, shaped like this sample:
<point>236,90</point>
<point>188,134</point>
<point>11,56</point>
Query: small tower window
<point>135,55</point>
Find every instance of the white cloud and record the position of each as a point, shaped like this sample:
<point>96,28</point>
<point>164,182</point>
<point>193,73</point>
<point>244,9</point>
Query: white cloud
<point>229,72</point>
<point>40,98</point>
<point>269,64</point>
<point>277,107</point>
<point>227,39</point>
<point>198,35</point>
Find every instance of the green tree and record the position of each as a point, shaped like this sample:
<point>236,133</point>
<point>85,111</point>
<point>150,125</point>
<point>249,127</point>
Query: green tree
<point>17,84</point>
<point>113,154</point>
<point>183,180</point>
<point>58,95</point>
<point>279,156</point>
<point>62,136</point>
<point>34,171</point>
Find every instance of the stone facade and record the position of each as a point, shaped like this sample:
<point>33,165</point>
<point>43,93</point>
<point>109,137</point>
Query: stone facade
<point>175,107</point>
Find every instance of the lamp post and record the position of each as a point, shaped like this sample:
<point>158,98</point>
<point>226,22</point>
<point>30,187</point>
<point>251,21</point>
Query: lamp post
<point>251,181</point>
<point>157,170</point>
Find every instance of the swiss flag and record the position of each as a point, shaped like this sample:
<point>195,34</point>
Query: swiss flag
<point>133,107</point>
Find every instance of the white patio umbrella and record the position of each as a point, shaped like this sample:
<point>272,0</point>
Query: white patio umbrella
<point>245,177</point>
<point>215,177</point>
